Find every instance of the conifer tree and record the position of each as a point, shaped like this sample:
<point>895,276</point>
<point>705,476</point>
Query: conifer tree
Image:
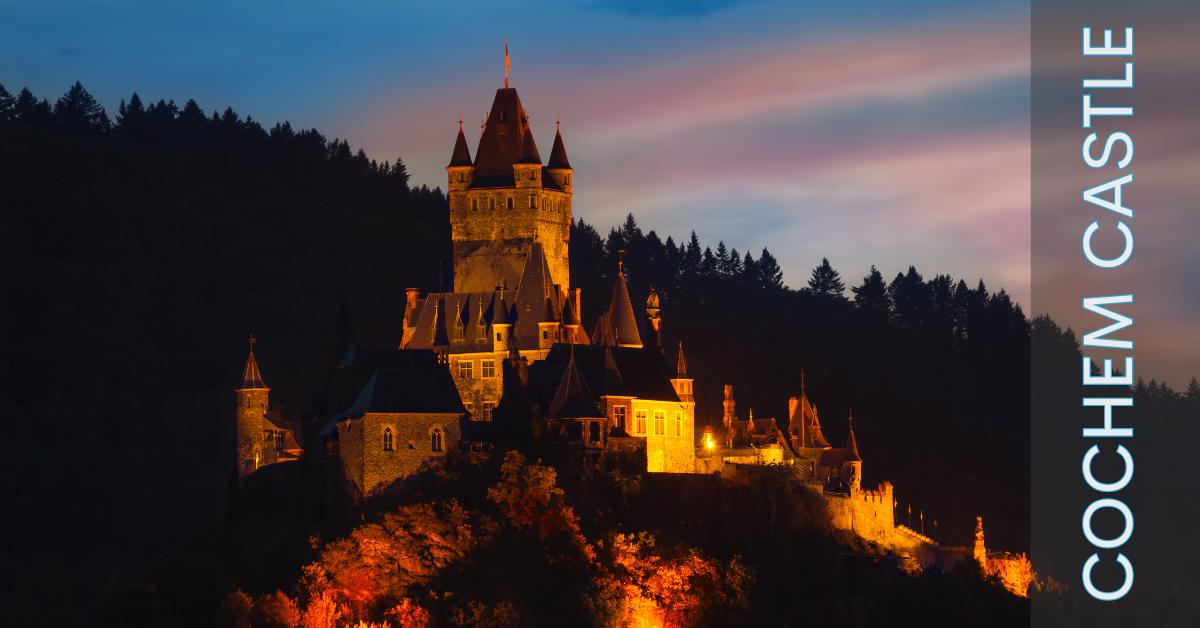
<point>7,105</point>
<point>769,273</point>
<point>826,282</point>
<point>872,296</point>
<point>78,110</point>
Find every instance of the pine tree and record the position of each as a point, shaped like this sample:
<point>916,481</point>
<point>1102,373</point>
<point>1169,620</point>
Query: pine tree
<point>692,256</point>
<point>750,274</point>
<point>734,269</point>
<point>78,110</point>
<point>872,296</point>
<point>769,273</point>
<point>826,282</point>
<point>7,105</point>
<point>399,173</point>
<point>722,256</point>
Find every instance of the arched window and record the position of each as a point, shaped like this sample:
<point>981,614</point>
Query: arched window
<point>435,439</point>
<point>388,442</point>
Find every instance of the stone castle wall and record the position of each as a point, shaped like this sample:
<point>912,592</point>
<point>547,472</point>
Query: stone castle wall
<point>490,245</point>
<point>371,466</point>
<point>868,514</point>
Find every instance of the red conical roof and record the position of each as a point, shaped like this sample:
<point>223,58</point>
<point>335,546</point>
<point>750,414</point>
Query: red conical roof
<point>501,142</point>
<point>529,152</point>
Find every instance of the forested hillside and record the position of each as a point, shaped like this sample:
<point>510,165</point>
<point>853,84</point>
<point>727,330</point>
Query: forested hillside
<point>137,251</point>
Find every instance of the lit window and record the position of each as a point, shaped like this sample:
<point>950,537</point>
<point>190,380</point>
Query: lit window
<point>619,416</point>
<point>488,406</point>
<point>660,422</point>
<point>388,444</point>
<point>465,369</point>
<point>640,421</point>
<point>435,439</point>
<point>487,368</point>
<point>532,202</point>
<point>679,424</point>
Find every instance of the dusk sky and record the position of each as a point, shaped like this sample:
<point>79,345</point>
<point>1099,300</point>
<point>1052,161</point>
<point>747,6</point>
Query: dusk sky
<point>888,133</point>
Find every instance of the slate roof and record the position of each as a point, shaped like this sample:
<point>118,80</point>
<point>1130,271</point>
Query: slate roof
<point>558,153</point>
<point>397,380</point>
<point>573,399</point>
<point>501,143</point>
<point>461,155</point>
<point>605,370</point>
<point>620,312</point>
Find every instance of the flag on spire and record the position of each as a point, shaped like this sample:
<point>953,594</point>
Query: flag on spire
<point>507,63</point>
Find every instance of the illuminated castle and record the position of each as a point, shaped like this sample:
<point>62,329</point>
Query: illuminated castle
<point>506,356</point>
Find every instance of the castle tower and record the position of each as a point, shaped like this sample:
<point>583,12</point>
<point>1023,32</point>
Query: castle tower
<point>729,416</point>
<point>681,382</point>
<point>852,466</point>
<point>252,399</point>
<point>505,200</point>
<point>979,552</point>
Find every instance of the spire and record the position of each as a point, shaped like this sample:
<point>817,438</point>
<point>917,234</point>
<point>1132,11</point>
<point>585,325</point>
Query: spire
<point>251,377</point>
<point>462,154</point>
<point>620,309</point>
<point>558,153</point>
<point>529,152</point>
<point>573,399</point>
<point>681,364</point>
<point>851,443</point>
<point>803,381</point>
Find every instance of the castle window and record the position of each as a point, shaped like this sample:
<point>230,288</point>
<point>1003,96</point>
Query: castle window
<point>488,406</point>
<point>475,204</point>
<point>679,424</point>
<point>435,439</point>
<point>660,422</point>
<point>509,202</point>
<point>532,201</point>
<point>465,369</point>
<point>487,369</point>
<point>491,203</point>
<point>639,420</point>
<point>594,432</point>
<point>619,416</point>
<point>499,336</point>
<point>545,335</point>
<point>388,443</point>
<point>459,331</point>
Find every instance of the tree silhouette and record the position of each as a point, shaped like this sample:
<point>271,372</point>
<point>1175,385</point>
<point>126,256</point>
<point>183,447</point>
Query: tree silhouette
<point>826,282</point>
<point>872,296</point>
<point>79,111</point>
<point>7,105</point>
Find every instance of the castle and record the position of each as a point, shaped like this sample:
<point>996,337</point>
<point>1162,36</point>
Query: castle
<point>506,356</point>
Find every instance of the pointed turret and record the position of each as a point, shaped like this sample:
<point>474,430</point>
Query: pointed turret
<point>558,153</point>
<point>851,443</point>
<point>253,398</point>
<point>461,155</point>
<point>252,378</point>
<point>620,310</point>
<point>681,371</point>
<point>573,399</point>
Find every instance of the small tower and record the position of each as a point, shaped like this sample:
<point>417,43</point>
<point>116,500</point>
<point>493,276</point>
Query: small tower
<point>559,166</point>
<point>681,381</point>
<point>852,466</point>
<point>979,552</point>
<point>729,415</point>
<point>252,399</point>
<point>501,324</point>
<point>460,171</point>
